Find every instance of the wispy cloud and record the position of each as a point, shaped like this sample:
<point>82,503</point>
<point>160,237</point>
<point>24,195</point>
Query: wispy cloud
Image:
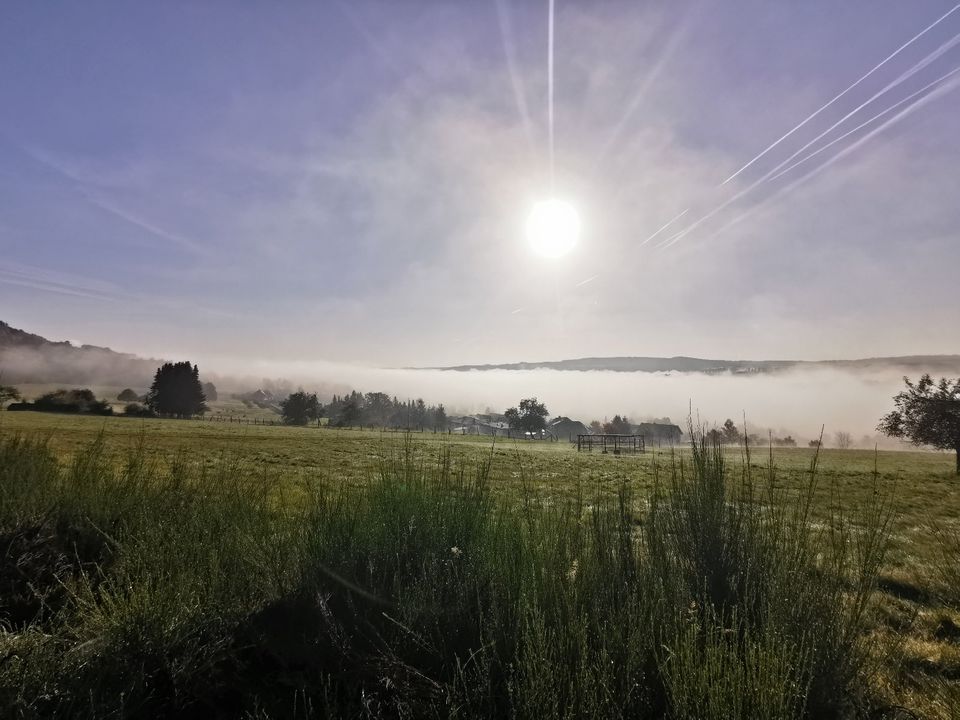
<point>56,282</point>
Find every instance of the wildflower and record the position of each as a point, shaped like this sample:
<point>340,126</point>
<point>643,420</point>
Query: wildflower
<point>456,552</point>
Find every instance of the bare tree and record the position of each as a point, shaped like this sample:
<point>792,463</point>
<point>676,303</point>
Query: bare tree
<point>843,439</point>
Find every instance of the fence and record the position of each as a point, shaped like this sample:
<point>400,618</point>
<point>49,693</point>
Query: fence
<point>616,444</point>
<point>266,422</point>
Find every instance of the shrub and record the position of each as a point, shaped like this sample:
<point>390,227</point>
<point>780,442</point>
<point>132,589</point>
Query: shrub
<point>70,401</point>
<point>138,410</point>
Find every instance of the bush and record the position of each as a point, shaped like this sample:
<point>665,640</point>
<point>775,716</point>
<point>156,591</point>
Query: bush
<point>75,401</point>
<point>128,395</point>
<point>138,410</point>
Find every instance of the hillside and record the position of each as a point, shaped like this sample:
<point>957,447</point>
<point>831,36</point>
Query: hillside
<point>910,364</point>
<point>29,358</point>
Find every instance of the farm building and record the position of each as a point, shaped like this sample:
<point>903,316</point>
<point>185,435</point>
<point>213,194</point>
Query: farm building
<point>563,428</point>
<point>658,434</point>
<point>477,425</point>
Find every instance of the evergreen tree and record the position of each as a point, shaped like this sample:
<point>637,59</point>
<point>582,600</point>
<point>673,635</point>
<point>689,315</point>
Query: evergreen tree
<point>176,391</point>
<point>617,426</point>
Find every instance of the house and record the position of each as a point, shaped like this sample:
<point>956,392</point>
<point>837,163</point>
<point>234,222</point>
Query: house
<point>658,434</point>
<point>477,425</point>
<point>563,428</point>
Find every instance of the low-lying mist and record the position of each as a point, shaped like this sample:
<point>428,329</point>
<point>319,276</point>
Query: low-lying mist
<point>796,402</point>
<point>785,402</point>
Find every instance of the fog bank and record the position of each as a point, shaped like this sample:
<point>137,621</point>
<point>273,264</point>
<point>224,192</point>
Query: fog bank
<point>795,401</point>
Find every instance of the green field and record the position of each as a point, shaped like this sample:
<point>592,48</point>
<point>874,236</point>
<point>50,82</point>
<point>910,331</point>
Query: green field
<point>913,652</point>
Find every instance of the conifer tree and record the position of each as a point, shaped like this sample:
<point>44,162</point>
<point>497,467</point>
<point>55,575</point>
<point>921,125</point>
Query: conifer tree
<point>176,391</point>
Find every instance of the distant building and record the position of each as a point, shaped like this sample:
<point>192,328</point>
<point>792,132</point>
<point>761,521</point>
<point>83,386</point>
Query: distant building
<point>563,428</point>
<point>477,425</point>
<point>658,434</point>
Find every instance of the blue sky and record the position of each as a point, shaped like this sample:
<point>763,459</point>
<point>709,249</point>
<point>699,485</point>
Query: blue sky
<point>349,181</point>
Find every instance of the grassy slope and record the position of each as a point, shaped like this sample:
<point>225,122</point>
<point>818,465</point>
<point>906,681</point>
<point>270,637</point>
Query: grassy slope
<point>915,665</point>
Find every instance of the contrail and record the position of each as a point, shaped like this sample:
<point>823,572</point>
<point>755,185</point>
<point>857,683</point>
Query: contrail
<point>588,280</point>
<point>773,173</point>
<point>943,89</point>
<point>866,122</point>
<point>935,55</point>
<point>506,35</point>
<point>550,83</point>
<point>648,80</point>
<point>185,243</point>
<point>665,226</point>
<point>916,105</point>
<point>81,184</point>
<point>848,89</point>
<point>54,282</point>
<point>360,27</point>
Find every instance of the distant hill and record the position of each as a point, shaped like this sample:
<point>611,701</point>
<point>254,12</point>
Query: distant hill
<point>908,364</point>
<point>29,358</point>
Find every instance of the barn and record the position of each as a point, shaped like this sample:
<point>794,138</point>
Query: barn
<point>658,434</point>
<point>563,428</point>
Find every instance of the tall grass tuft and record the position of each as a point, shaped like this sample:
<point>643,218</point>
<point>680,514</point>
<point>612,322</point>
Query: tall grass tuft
<point>187,591</point>
<point>763,614</point>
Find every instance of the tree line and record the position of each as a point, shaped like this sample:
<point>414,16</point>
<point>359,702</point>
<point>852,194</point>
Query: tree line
<point>357,409</point>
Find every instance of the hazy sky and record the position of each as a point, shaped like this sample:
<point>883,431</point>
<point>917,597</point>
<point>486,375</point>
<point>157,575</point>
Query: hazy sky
<point>349,181</point>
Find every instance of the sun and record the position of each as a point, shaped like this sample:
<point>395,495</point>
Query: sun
<point>553,228</point>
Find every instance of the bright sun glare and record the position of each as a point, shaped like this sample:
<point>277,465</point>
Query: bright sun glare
<point>553,227</point>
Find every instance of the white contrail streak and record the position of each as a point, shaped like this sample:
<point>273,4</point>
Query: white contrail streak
<point>588,280</point>
<point>862,125</point>
<point>81,184</point>
<point>509,50</point>
<point>773,173</point>
<point>671,46</point>
<point>943,89</point>
<point>848,89</point>
<point>550,82</point>
<point>665,226</point>
<point>54,282</point>
<point>935,55</point>
<point>916,105</point>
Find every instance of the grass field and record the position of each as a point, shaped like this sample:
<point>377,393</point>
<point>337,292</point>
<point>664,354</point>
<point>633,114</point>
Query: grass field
<point>910,633</point>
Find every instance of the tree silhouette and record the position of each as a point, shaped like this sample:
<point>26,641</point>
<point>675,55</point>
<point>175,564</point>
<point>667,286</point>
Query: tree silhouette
<point>729,433</point>
<point>529,417</point>
<point>8,393</point>
<point>927,413</point>
<point>617,426</point>
<point>300,408</point>
<point>176,391</point>
<point>210,391</point>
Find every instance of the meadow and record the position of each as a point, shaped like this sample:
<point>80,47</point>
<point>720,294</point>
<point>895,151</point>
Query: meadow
<point>188,568</point>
